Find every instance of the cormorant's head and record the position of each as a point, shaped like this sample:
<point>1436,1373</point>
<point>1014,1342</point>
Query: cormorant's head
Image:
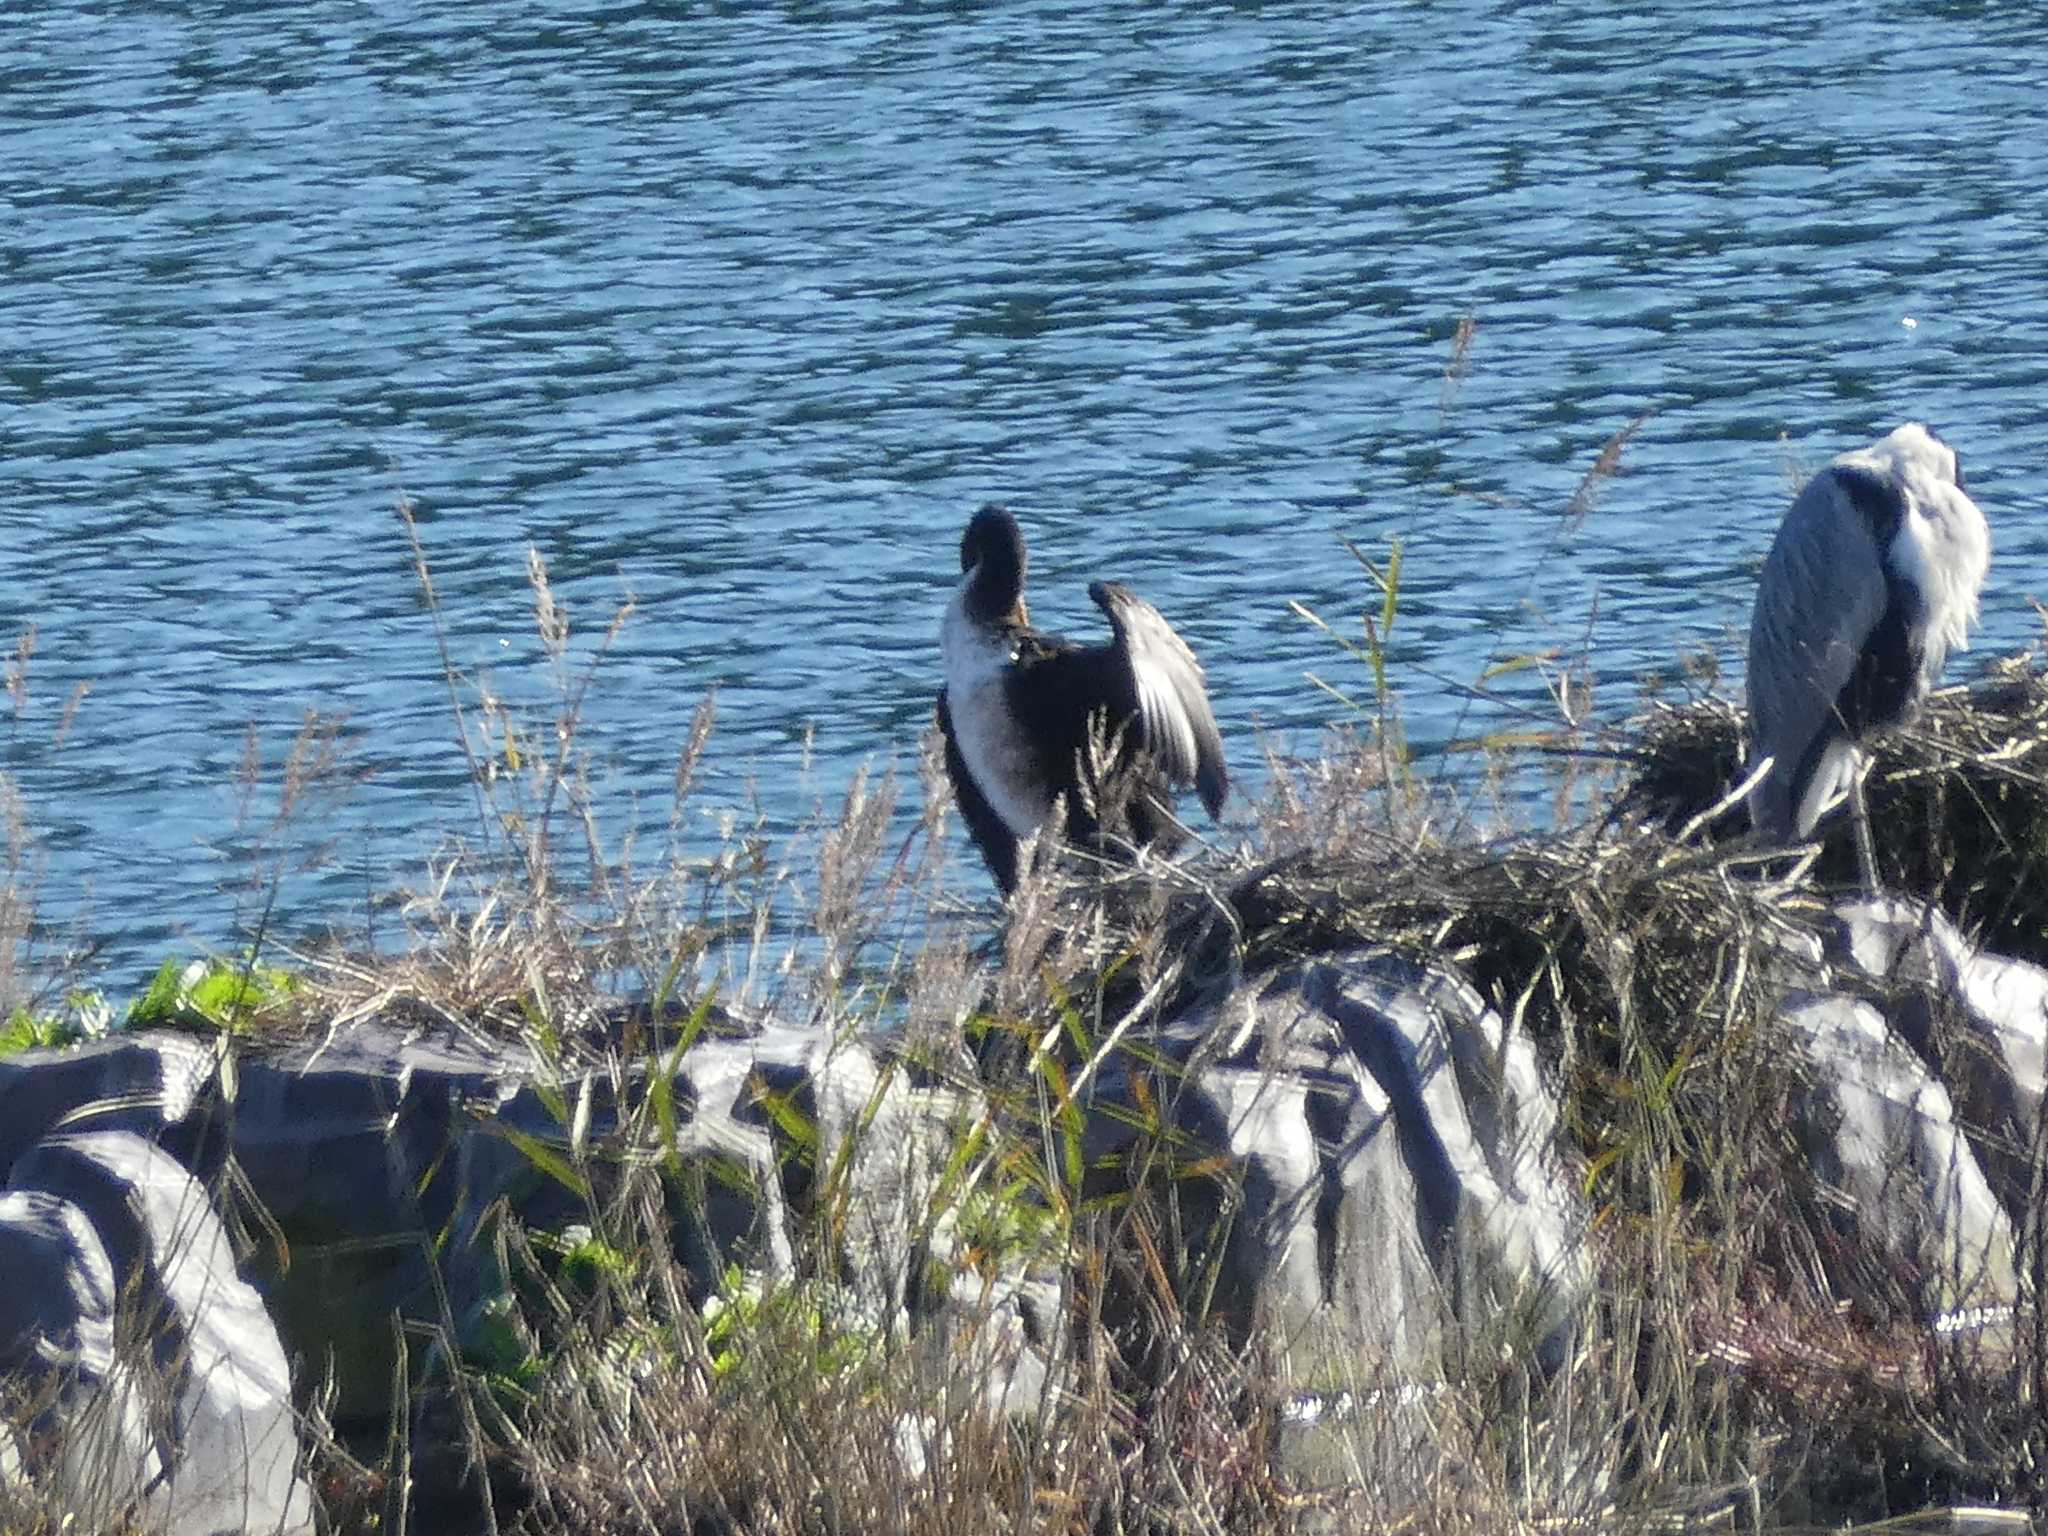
<point>992,558</point>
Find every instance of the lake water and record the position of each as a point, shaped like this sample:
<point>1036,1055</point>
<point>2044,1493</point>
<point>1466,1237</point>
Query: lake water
<point>741,310</point>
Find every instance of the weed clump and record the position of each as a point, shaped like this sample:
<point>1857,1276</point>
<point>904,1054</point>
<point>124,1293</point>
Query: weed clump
<point>1956,799</point>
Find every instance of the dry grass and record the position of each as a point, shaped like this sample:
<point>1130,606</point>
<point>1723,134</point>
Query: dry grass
<point>35,964</point>
<point>17,903</point>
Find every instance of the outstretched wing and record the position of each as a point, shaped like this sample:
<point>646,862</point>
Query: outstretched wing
<point>998,844</point>
<point>1822,595</point>
<point>1172,697</point>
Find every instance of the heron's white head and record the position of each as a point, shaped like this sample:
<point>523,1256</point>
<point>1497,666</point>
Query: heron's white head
<point>1912,458</point>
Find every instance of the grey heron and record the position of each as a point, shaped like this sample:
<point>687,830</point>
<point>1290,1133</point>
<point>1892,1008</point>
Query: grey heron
<point>1872,580</point>
<point>1018,707</point>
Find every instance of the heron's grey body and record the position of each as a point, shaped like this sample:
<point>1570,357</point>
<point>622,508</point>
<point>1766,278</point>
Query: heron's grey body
<point>1872,581</point>
<point>1019,706</point>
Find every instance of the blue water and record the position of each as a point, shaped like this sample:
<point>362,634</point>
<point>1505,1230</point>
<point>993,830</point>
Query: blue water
<point>741,309</point>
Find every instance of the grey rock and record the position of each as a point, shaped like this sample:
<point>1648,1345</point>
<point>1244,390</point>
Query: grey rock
<point>1324,1439</point>
<point>719,1117</point>
<point>366,1150</point>
<point>147,1083</point>
<point>1393,1176</point>
<point>1909,959</point>
<point>225,1451</point>
<point>58,1304</point>
<point>1395,1152</point>
<point>886,1141</point>
<point>57,1336</point>
<point>384,1155</point>
<point>1882,1134</point>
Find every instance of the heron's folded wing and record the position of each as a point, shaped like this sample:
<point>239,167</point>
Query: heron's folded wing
<point>1820,596</point>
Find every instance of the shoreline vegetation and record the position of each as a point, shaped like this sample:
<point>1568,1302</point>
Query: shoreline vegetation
<point>1738,1366</point>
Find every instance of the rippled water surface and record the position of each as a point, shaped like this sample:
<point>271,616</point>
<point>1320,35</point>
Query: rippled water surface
<point>740,311</point>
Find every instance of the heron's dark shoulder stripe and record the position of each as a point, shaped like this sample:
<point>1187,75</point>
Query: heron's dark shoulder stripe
<point>1877,498</point>
<point>1882,685</point>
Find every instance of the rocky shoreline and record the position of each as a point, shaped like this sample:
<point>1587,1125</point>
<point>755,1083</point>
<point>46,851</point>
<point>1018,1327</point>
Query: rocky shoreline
<point>1386,1179</point>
